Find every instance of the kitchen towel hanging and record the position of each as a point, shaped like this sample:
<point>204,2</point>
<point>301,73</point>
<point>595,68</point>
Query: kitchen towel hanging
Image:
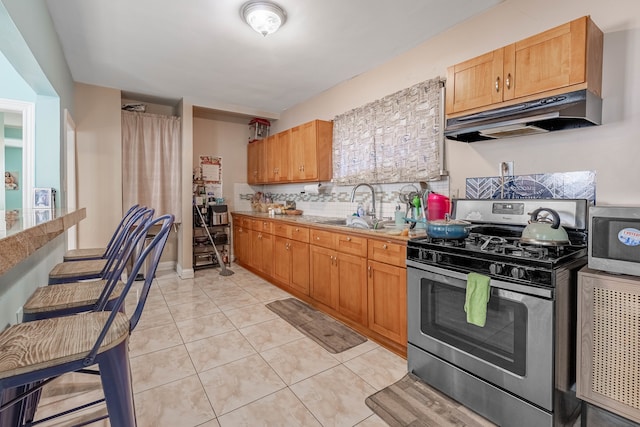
<point>476,299</point>
<point>312,188</point>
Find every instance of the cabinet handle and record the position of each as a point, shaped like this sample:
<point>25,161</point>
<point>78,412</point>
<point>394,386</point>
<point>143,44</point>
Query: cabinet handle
<point>498,84</point>
<point>348,239</point>
<point>369,270</point>
<point>297,229</point>
<point>317,237</point>
<point>508,81</point>
<point>384,246</point>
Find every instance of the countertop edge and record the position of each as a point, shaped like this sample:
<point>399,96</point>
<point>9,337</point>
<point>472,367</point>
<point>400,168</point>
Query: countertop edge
<point>21,244</point>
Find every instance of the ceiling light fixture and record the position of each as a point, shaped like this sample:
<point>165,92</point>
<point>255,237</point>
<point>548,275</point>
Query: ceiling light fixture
<point>263,16</point>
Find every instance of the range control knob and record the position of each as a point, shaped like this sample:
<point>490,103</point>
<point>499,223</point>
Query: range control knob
<point>436,257</point>
<point>495,269</point>
<point>517,273</point>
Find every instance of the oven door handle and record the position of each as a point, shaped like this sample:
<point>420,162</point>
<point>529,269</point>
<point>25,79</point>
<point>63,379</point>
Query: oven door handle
<point>440,275</point>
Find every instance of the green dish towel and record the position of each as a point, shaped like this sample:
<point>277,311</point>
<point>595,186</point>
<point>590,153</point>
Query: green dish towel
<point>476,299</point>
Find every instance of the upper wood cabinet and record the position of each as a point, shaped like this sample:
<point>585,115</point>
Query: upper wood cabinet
<point>564,58</point>
<point>311,151</point>
<point>256,162</point>
<point>300,154</point>
<point>278,154</point>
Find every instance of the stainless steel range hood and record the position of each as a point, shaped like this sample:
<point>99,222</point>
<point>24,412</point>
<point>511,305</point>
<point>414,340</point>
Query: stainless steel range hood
<point>567,111</point>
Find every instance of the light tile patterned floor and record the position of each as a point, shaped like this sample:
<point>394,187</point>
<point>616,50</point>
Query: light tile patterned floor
<point>207,352</point>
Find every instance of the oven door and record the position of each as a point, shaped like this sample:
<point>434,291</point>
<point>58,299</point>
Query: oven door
<point>514,350</point>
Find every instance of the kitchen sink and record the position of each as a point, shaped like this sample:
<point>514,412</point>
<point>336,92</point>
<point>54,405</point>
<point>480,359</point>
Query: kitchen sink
<point>334,221</point>
<point>355,222</point>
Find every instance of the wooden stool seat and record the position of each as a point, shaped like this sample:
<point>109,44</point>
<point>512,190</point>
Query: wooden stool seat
<point>32,346</point>
<point>68,296</point>
<point>80,254</point>
<point>77,270</point>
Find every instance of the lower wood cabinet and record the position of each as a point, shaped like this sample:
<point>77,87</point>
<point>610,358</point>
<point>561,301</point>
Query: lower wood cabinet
<point>352,287</point>
<point>608,345</point>
<point>387,300</point>
<point>324,275</point>
<point>262,252</point>
<point>291,263</point>
<point>241,243</point>
<point>339,280</point>
<point>356,279</point>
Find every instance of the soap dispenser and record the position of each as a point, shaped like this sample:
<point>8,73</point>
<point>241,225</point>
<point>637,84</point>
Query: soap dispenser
<point>399,217</point>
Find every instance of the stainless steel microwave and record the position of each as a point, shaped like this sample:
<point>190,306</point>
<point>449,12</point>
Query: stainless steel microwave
<point>614,239</point>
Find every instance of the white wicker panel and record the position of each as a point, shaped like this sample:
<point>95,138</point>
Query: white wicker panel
<point>616,346</point>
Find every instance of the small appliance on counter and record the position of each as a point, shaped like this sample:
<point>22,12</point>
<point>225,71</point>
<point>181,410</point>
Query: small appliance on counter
<point>614,239</point>
<point>217,215</point>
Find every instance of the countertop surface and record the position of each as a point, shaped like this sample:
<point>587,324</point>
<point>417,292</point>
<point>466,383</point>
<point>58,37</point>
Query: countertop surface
<point>25,231</point>
<point>389,233</point>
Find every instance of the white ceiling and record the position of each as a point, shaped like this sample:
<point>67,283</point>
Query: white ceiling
<point>203,51</point>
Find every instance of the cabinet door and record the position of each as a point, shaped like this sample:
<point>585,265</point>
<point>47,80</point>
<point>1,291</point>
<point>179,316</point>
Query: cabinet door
<point>551,60</point>
<point>282,260</point>
<point>475,83</point>
<point>265,263</point>
<point>352,294</point>
<point>262,161</point>
<point>281,156</point>
<point>387,301</point>
<point>271,158</point>
<point>254,254</point>
<point>323,275</point>
<point>302,156</point>
<point>241,243</point>
<point>252,163</point>
<point>299,266</point>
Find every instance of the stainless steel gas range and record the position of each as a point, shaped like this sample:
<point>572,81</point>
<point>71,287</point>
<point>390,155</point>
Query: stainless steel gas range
<point>519,368</point>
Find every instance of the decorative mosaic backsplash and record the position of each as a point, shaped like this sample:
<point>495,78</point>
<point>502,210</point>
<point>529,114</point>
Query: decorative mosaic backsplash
<point>561,185</point>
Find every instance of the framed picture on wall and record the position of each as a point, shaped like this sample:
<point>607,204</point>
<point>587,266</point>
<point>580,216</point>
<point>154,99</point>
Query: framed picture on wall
<point>44,198</point>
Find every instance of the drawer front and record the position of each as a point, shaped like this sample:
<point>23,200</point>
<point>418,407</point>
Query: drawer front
<point>282,230</point>
<point>322,238</point>
<point>388,252</point>
<point>300,234</point>
<point>353,245</point>
<point>262,225</point>
<point>245,222</point>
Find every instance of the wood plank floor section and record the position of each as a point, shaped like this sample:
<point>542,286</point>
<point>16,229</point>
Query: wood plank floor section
<point>411,402</point>
<point>326,331</point>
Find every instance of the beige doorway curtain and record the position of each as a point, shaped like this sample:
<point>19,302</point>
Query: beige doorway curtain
<point>151,162</point>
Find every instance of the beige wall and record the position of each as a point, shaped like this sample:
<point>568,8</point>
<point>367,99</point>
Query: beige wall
<point>99,160</point>
<point>611,150</point>
<point>227,140</point>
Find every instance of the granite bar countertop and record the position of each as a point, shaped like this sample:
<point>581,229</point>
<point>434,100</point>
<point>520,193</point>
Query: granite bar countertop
<point>25,231</point>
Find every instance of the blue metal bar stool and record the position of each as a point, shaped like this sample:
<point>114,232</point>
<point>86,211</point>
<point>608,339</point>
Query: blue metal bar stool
<point>75,297</point>
<point>74,271</point>
<point>39,351</point>
<point>101,253</point>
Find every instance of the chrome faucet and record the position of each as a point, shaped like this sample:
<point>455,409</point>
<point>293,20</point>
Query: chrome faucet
<point>372,213</point>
